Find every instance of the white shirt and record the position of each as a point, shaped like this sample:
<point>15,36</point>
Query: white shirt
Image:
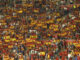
<point>69,55</point>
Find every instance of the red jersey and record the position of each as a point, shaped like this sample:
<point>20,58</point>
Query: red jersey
<point>63,57</point>
<point>78,57</point>
<point>57,58</point>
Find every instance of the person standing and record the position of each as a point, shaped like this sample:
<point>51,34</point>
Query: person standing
<point>78,57</point>
<point>75,57</point>
<point>57,58</point>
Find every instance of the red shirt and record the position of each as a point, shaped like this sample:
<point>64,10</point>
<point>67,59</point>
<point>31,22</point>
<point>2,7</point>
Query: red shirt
<point>63,57</point>
<point>70,59</point>
<point>57,58</point>
<point>4,51</point>
<point>60,53</point>
<point>51,54</point>
<point>78,57</point>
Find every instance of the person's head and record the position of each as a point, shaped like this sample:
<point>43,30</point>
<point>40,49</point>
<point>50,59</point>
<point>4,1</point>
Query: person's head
<point>79,54</point>
<point>16,44</point>
<point>20,54</point>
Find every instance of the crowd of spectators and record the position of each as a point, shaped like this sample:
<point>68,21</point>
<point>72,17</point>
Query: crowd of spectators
<point>39,29</point>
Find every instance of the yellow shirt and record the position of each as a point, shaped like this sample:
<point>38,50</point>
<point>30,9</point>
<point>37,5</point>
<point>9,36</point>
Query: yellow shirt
<point>5,57</point>
<point>12,59</point>
<point>21,57</point>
